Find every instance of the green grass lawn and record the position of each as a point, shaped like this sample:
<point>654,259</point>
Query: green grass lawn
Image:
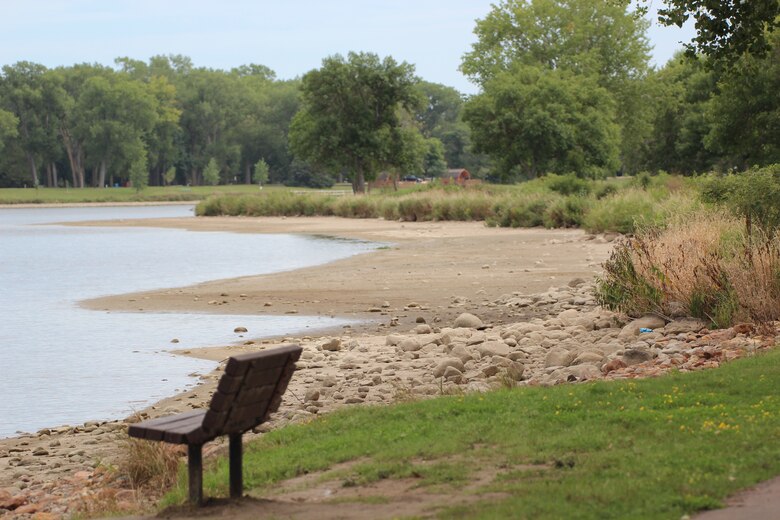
<point>150,194</point>
<point>655,448</point>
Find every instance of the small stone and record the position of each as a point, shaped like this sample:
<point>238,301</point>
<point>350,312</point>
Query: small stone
<point>423,329</point>
<point>312,395</point>
<point>558,357</point>
<point>175,340</point>
<point>333,345</point>
<point>450,362</point>
<point>39,452</point>
<point>240,329</point>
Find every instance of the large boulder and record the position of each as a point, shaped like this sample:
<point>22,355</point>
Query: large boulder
<point>493,348</point>
<point>684,326</point>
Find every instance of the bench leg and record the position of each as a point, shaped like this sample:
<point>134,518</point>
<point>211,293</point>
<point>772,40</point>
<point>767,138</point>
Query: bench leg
<point>236,475</point>
<point>195,467</point>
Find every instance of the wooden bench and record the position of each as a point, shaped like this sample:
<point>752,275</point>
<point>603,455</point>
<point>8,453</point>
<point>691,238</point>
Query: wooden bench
<point>248,392</point>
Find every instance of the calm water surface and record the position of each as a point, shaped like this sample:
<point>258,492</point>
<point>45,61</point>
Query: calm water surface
<point>60,364</point>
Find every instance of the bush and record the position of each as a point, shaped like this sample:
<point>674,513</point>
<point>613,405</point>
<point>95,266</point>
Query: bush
<point>753,195</point>
<point>567,212</point>
<point>622,212</point>
<point>706,264</point>
<point>569,184</point>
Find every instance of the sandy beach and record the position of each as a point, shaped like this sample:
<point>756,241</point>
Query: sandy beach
<point>422,266</point>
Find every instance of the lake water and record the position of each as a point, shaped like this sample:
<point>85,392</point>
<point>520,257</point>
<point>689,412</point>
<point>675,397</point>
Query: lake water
<point>61,364</point>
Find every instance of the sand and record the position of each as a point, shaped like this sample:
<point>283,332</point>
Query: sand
<point>422,267</point>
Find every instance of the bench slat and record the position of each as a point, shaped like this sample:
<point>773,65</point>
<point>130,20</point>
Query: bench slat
<point>157,429</point>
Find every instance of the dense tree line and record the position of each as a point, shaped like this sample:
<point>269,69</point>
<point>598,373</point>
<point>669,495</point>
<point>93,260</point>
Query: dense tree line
<point>165,121</point>
<point>565,87</point>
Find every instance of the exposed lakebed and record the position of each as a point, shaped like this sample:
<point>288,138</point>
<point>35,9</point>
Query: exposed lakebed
<point>61,364</point>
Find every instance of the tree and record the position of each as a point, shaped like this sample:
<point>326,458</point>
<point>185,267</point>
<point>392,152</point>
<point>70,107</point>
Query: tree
<point>726,30</point>
<point>349,117</point>
<point>537,120</point>
<point>261,172</point>
<point>744,113</point>
<point>591,38</point>
<point>8,127</point>
<point>139,171</point>
<point>433,163</point>
<point>211,173</point>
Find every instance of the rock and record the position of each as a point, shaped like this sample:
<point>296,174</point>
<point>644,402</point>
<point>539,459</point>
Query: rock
<point>410,345</point>
<point>240,329</point>
<point>394,339</point>
<point>611,366</point>
<point>423,329</point>
<point>490,371</point>
<point>558,357</point>
<point>468,321</point>
<point>576,282</point>
<point>569,317</point>
<point>575,373</point>
<point>449,362</point>
<point>493,348</point>
<point>460,352</point>
<point>634,356</point>
<point>452,372</point>
<point>589,357</point>
<point>515,370</point>
<point>684,326</point>
<point>354,400</point>
<point>328,381</point>
<point>332,345</point>
<point>11,501</point>
<point>312,395</point>
<point>649,321</point>
<point>40,452</point>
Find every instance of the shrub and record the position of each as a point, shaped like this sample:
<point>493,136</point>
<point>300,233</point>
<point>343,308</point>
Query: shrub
<point>149,464</point>
<point>569,184</point>
<point>753,195</point>
<point>707,264</point>
<point>566,212</point>
<point>622,212</point>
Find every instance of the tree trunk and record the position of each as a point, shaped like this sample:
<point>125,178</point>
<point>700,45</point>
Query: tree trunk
<point>101,177</point>
<point>247,174</point>
<point>33,169</point>
<point>359,182</point>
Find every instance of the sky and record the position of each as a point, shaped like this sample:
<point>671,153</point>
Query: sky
<point>291,37</point>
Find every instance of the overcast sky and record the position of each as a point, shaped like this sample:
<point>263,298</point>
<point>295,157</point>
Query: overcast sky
<point>291,37</point>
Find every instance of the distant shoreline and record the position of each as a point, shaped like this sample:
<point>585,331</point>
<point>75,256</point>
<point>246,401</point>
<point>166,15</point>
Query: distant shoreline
<point>29,205</point>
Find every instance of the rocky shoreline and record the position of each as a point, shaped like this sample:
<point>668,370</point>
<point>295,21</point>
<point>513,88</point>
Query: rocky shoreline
<point>59,472</point>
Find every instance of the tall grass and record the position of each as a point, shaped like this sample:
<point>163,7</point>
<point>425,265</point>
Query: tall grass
<point>552,201</point>
<point>706,263</point>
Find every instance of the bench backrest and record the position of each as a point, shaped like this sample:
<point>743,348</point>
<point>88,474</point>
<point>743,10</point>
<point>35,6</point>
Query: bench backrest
<point>250,390</point>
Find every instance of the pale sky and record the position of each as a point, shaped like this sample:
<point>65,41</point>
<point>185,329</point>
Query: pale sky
<point>291,37</point>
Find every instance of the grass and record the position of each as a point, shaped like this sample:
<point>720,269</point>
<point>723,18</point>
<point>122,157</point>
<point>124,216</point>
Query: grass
<point>656,448</point>
<point>706,263</point>
<point>151,194</point>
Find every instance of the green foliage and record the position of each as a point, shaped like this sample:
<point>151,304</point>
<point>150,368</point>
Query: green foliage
<point>568,184</point>
<point>545,121</point>
<point>349,117</point>
<point>261,172</point>
<point>622,212</point>
<point>725,31</point>
<point>753,195</point>
<point>8,127</point>
<point>211,173</point>
<point>139,173</point>
<point>674,444</point>
<point>566,212</point>
<point>169,176</point>
<point>621,288</point>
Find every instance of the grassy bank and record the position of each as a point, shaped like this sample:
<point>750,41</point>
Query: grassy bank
<point>656,448</point>
<point>151,194</point>
<point>553,202</point>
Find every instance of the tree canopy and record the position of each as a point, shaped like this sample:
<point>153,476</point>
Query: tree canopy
<point>349,117</point>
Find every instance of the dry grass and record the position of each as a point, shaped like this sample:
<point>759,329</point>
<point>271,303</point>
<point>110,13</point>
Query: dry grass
<point>707,264</point>
<point>151,465</point>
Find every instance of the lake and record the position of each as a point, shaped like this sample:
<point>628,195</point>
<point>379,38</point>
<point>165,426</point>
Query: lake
<point>61,364</point>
